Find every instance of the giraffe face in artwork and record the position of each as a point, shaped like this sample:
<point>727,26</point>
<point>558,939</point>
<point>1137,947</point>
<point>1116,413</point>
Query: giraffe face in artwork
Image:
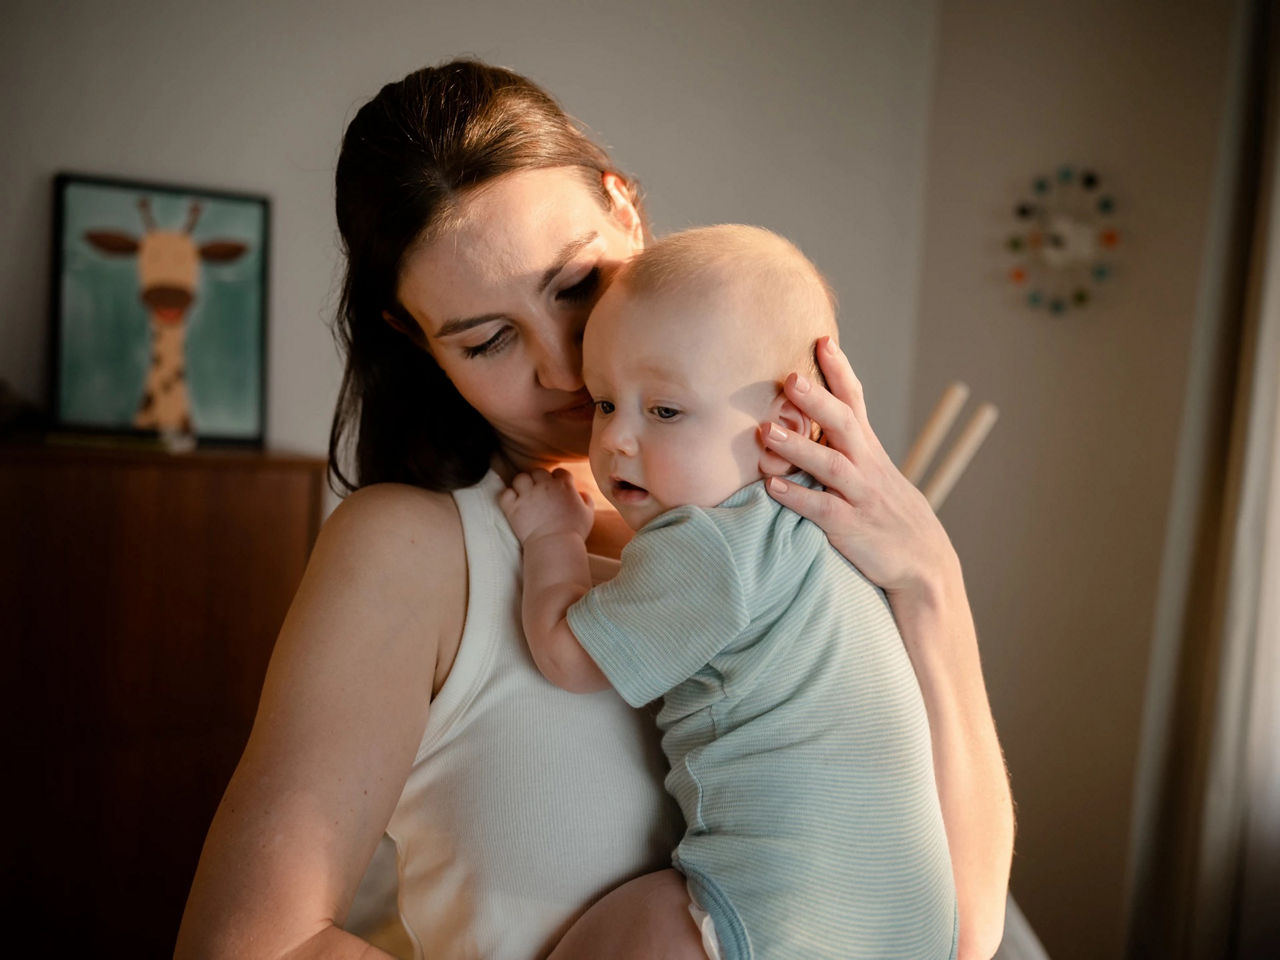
<point>168,268</point>
<point>168,277</point>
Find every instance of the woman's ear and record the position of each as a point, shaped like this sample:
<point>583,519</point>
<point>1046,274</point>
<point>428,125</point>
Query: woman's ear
<point>410,330</point>
<point>624,208</point>
<point>790,417</point>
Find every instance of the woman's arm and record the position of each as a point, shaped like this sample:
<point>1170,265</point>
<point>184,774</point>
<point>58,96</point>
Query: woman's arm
<point>884,526</point>
<point>342,712</point>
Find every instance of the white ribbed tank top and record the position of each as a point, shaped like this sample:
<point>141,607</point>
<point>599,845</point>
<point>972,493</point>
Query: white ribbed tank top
<point>525,804</point>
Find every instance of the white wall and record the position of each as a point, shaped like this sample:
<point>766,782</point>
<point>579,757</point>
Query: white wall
<point>1060,522</point>
<point>808,118</point>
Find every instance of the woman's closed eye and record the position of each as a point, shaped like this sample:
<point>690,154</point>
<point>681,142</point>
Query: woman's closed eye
<point>494,344</point>
<point>584,289</point>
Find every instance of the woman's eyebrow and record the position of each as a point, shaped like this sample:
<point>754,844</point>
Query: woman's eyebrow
<point>566,254</point>
<point>450,327</point>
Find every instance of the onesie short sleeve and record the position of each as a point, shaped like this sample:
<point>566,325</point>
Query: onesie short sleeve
<point>676,602</point>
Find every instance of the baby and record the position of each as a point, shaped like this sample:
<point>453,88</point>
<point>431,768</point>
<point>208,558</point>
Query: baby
<point>797,737</point>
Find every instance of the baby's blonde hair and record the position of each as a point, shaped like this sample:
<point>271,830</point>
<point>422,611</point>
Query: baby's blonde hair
<point>762,270</point>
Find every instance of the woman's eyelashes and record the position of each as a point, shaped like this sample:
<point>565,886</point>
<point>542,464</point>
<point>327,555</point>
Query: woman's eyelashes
<point>493,345</point>
<point>584,289</point>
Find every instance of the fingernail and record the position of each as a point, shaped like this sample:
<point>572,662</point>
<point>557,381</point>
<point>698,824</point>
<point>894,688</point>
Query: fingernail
<point>777,486</point>
<point>830,346</point>
<point>776,432</point>
<point>802,385</point>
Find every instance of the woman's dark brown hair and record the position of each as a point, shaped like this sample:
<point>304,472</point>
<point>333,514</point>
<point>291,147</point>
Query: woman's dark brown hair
<point>409,155</point>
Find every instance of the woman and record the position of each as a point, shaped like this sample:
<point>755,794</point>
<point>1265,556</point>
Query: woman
<point>480,226</point>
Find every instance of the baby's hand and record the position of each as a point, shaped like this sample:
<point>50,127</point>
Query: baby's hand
<point>541,503</point>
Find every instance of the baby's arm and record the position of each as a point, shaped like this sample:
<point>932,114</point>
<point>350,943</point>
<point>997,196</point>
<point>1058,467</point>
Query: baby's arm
<point>552,520</point>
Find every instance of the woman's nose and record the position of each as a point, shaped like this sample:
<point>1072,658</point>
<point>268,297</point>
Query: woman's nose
<point>558,365</point>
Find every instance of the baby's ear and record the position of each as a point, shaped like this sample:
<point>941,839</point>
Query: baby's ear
<point>790,417</point>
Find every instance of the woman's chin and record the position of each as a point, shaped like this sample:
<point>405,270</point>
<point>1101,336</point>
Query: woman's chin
<point>549,442</point>
<point>567,439</point>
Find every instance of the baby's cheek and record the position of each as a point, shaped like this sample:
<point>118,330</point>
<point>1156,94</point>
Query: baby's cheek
<point>710,474</point>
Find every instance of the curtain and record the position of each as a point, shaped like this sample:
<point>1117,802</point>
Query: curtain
<point>1205,875</point>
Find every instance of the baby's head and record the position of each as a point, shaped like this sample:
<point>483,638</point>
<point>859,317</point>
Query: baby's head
<point>685,356</point>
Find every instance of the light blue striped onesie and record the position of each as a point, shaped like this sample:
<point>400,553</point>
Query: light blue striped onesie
<point>795,729</point>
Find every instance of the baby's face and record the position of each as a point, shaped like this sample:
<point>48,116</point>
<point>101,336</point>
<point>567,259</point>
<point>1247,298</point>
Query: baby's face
<point>676,405</point>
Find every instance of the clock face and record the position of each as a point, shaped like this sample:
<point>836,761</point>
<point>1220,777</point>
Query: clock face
<point>1063,240</point>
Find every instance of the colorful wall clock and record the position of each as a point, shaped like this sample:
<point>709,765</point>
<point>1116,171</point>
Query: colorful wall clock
<point>1063,240</point>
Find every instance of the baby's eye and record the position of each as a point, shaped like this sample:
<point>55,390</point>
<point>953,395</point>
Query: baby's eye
<point>664,413</point>
<point>604,406</point>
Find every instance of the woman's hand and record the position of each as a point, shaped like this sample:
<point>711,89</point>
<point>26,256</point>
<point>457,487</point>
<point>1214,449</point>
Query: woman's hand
<point>875,517</point>
<point>871,513</point>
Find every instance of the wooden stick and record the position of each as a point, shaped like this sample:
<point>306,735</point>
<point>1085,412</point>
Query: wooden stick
<point>966,446</point>
<point>926,445</point>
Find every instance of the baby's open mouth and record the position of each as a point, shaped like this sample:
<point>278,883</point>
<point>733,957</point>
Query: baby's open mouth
<point>625,490</point>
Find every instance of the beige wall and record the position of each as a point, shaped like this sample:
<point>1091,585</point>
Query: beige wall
<point>808,118</point>
<point>1060,523</point>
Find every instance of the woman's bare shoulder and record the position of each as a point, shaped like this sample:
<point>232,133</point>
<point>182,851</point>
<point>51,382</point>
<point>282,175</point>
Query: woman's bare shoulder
<point>396,549</point>
<point>375,510</point>
<point>387,576</point>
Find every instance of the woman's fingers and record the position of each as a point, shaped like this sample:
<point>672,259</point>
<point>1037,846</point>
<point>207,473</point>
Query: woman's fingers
<point>821,507</point>
<point>840,426</point>
<point>841,380</point>
<point>826,464</point>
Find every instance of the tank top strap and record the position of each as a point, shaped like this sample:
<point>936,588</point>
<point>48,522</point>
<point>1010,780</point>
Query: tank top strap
<point>492,553</point>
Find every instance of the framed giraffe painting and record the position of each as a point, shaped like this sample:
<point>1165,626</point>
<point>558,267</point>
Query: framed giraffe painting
<point>159,311</point>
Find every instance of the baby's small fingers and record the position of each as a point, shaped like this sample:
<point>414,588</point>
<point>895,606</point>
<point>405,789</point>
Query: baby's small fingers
<point>564,478</point>
<point>507,499</point>
<point>522,483</point>
<point>586,498</point>
<point>539,475</point>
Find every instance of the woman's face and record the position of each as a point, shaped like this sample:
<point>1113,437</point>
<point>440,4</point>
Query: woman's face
<point>502,297</point>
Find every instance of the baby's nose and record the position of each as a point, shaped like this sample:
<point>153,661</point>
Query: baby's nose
<point>618,438</point>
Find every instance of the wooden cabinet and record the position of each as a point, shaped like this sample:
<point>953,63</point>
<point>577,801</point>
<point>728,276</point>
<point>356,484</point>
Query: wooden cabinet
<point>140,595</point>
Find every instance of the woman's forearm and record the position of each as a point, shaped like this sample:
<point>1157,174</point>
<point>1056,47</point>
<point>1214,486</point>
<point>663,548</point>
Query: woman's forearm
<point>973,786</point>
<point>331,943</point>
<point>334,943</point>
